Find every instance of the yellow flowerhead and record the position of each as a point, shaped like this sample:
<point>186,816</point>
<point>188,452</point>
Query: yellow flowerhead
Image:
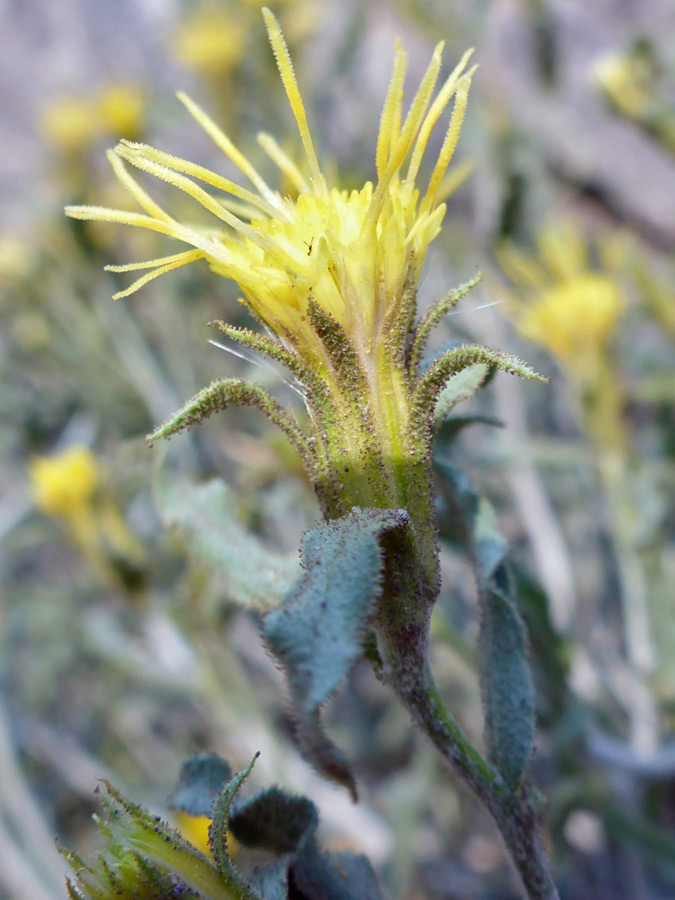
<point>333,273</point>
<point>352,252</point>
<point>65,483</point>
<point>327,260</point>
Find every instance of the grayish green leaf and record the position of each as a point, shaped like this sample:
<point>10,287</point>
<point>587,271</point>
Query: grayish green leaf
<point>276,821</point>
<point>506,681</point>
<point>201,779</point>
<point>271,881</point>
<point>459,387</point>
<point>317,633</point>
<point>205,515</point>
<point>334,876</point>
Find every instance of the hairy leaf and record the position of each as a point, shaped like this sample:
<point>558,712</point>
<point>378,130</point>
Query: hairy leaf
<point>333,876</point>
<point>460,387</point>
<point>506,681</point>
<point>270,882</point>
<point>318,631</point>
<point>201,779</point>
<point>206,518</point>
<point>433,382</point>
<point>549,657</point>
<point>276,821</point>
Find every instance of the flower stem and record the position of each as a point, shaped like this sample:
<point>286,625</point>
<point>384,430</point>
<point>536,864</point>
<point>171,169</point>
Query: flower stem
<point>515,813</point>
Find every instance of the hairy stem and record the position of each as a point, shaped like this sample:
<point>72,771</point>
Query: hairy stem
<point>515,813</point>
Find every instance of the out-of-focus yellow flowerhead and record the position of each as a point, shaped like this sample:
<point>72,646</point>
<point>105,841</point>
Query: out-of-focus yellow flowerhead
<point>65,483</point>
<point>630,85</point>
<point>574,318</point>
<point>570,309</point>
<point>16,257</point>
<point>120,109</point>
<point>625,83</point>
<point>211,41</point>
<point>71,123</point>
<point>68,124</point>
<point>69,486</point>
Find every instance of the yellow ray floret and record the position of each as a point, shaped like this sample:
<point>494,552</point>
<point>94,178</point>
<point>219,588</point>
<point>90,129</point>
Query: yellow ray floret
<point>353,253</point>
<point>390,119</point>
<point>159,267</point>
<point>285,66</point>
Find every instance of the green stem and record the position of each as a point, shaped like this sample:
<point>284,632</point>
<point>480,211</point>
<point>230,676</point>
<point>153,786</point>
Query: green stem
<point>515,814</point>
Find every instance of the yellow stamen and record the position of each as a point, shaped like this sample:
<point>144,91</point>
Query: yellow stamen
<point>120,217</point>
<point>417,110</point>
<point>211,248</point>
<point>193,190</point>
<point>400,150</point>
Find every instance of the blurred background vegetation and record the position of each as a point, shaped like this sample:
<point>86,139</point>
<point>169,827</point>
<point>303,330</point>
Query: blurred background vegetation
<point>120,652</point>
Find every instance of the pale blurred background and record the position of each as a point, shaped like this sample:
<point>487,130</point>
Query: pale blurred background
<point>120,652</point>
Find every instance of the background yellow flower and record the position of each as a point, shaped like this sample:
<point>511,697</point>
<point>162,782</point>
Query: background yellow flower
<point>564,303</point>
